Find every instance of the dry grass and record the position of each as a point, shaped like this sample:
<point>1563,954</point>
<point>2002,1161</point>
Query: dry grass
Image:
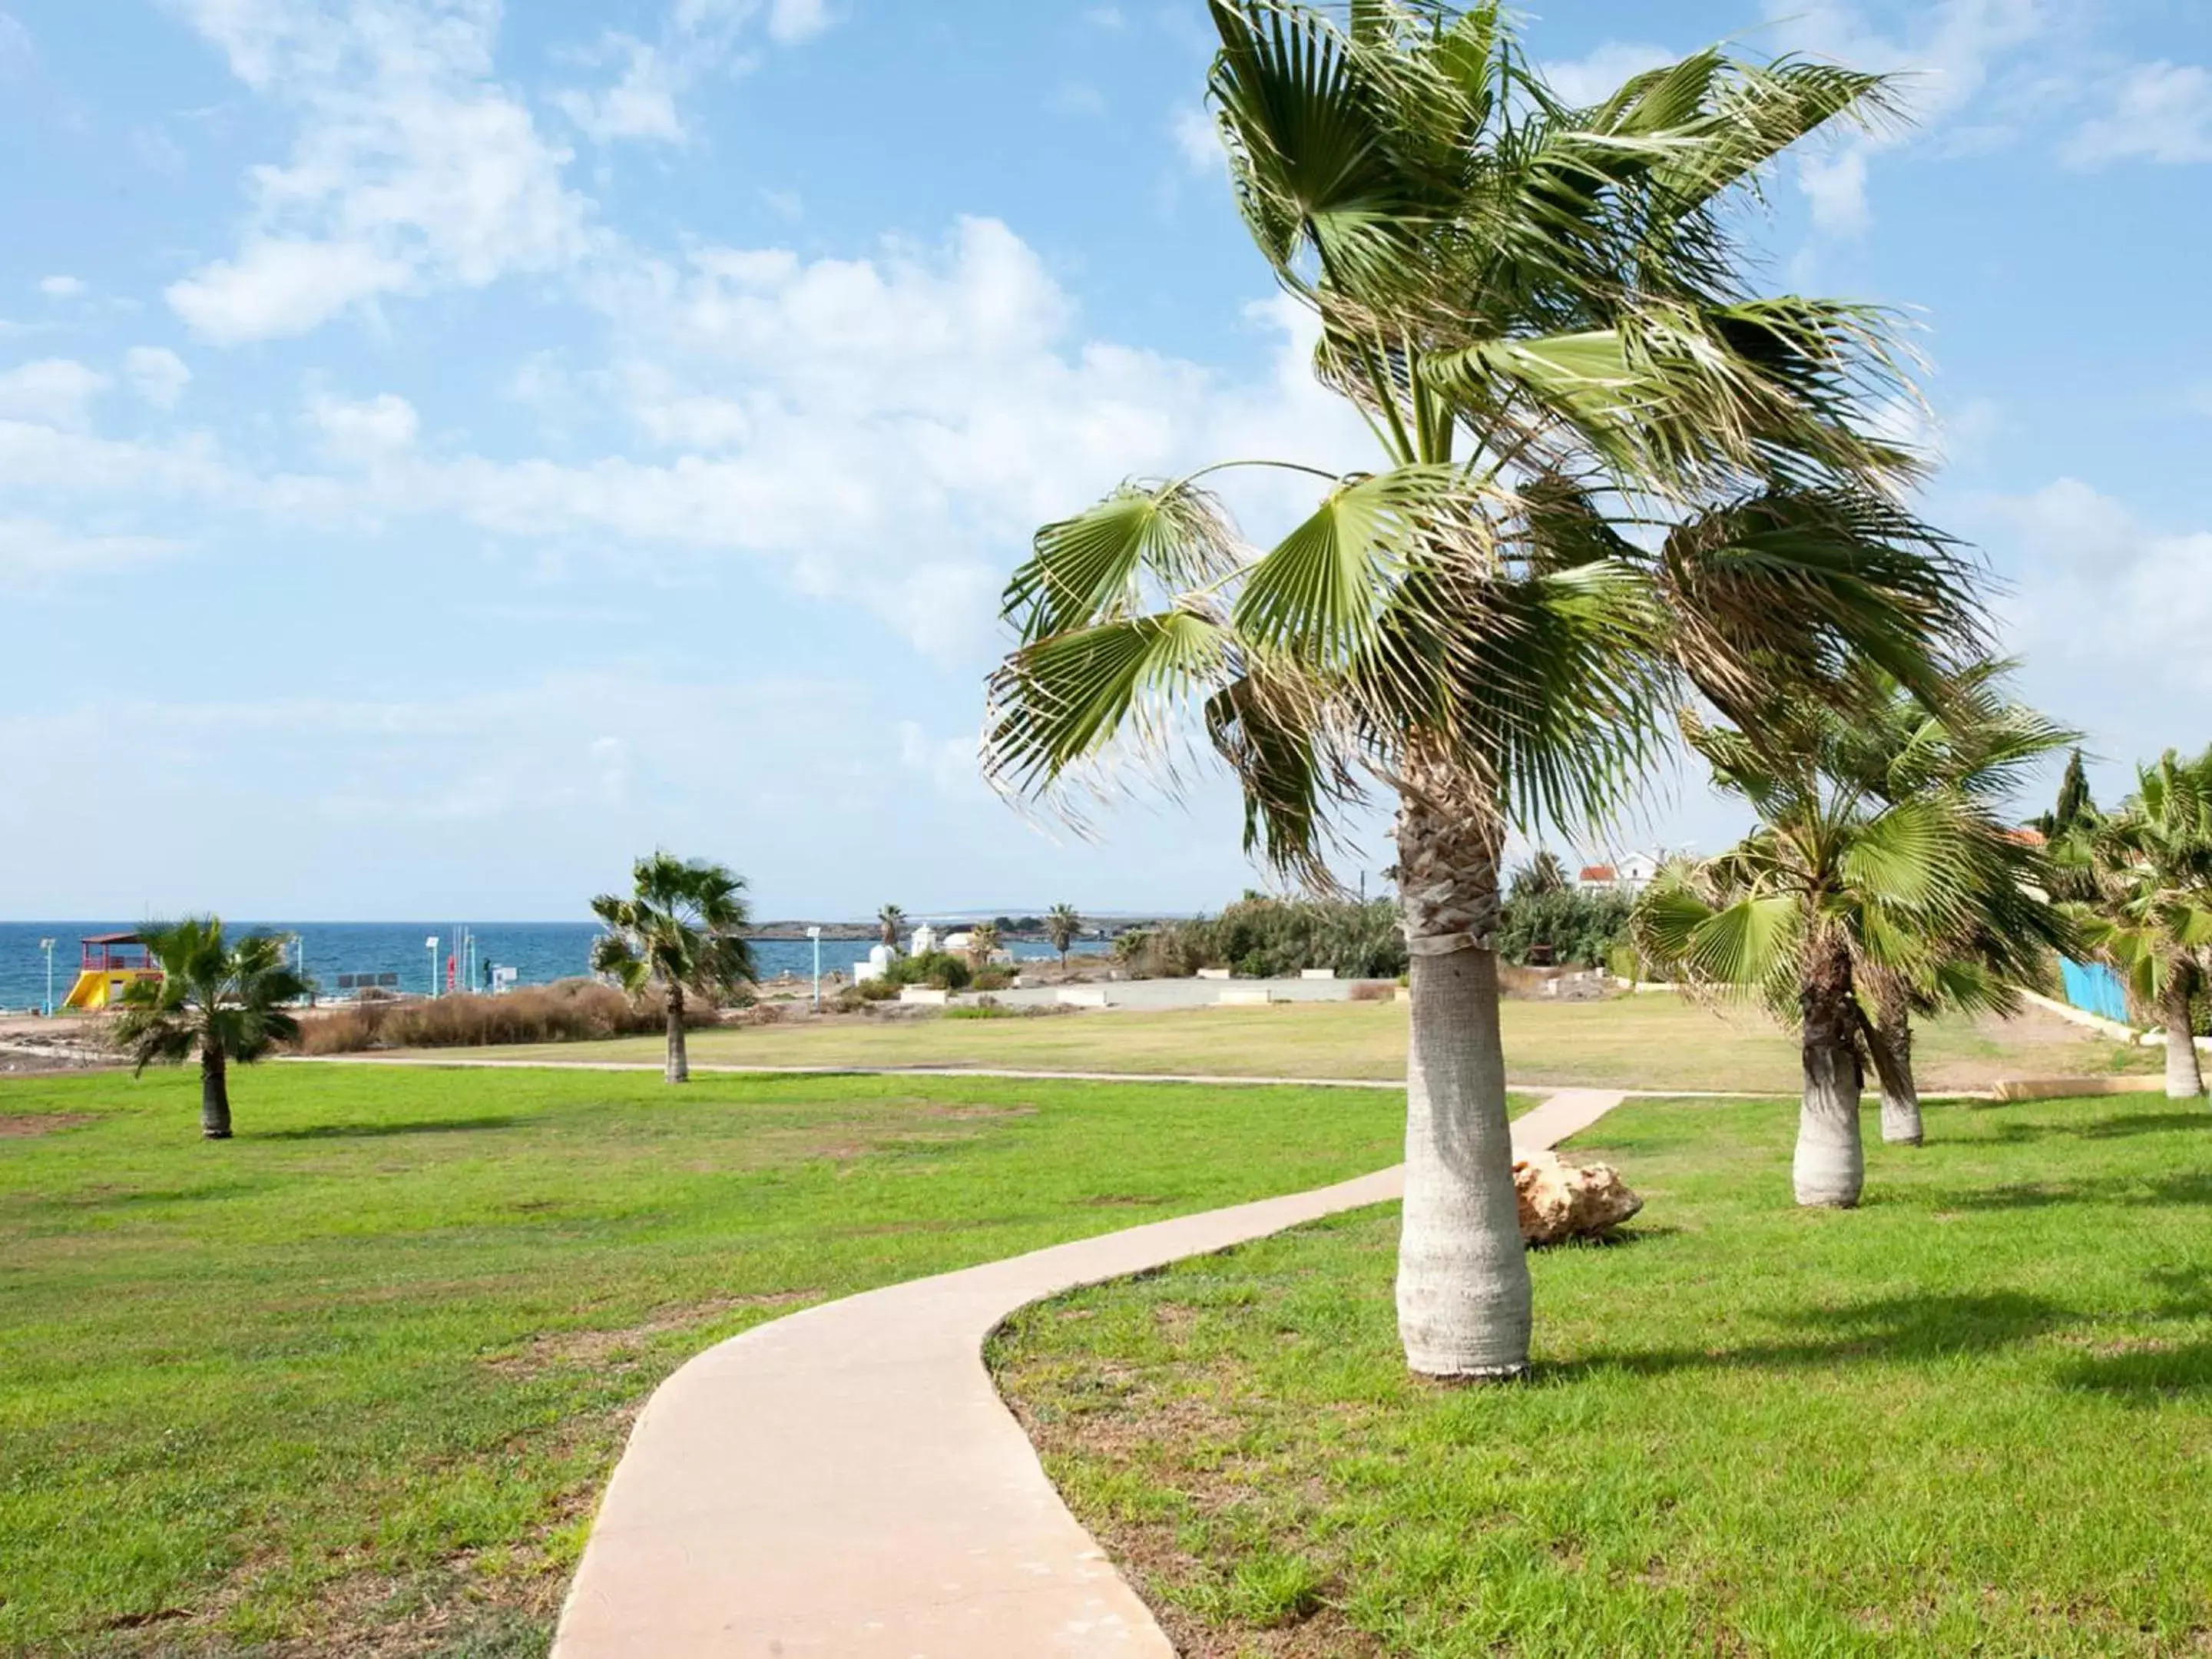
<point>1655,1040</point>
<point>571,1011</point>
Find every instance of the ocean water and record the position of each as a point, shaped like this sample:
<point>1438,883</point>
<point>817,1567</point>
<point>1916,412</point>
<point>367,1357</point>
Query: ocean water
<point>539,952</point>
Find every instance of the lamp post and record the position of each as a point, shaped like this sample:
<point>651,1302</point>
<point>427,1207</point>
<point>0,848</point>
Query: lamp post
<point>47,945</point>
<point>431,944</point>
<point>815,934</point>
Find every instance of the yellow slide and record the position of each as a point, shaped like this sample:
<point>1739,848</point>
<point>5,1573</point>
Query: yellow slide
<point>95,988</point>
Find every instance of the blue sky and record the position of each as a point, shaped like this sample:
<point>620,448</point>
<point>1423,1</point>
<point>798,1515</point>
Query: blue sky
<point>448,449</point>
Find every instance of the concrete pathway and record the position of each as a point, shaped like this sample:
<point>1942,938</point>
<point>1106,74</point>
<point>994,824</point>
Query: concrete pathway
<point>845,1483</point>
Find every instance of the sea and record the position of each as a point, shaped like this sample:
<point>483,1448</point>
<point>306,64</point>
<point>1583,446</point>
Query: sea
<point>539,952</point>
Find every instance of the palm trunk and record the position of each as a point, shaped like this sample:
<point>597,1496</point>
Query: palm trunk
<point>2184,1077</point>
<point>1890,1043</point>
<point>215,1095</point>
<point>1829,1167</point>
<point>1463,1291</point>
<point>679,1056</point>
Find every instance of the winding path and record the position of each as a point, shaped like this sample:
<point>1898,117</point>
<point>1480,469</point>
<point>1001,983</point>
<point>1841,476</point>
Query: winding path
<point>846,1483</point>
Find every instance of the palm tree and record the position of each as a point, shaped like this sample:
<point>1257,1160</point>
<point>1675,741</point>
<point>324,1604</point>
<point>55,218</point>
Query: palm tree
<point>1543,875</point>
<point>1608,474</point>
<point>683,929</point>
<point>226,1001</point>
<point>982,944</point>
<point>1839,890</point>
<point>2149,866</point>
<point>1982,745</point>
<point>1062,926</point>
<point>890,922</point>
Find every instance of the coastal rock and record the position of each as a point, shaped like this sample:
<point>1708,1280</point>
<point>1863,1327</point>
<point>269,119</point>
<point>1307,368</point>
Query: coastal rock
<point>1560,1200</point>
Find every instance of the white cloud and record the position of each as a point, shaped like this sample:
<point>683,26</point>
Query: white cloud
<point>1598,73</point>
<point>17,55</point>
<point>54,392</point>
<point>2120,605</point>
<point>641,105</point>
<point>1836,186</point>
<point>887,431</point>
<point>793,20</point>
<point>1199,141</point>
<point>412,166</point>
<point>2158,113</point>
<point>1106,17</point>
<point>61,287</point>
<point>364,433</point>
<point>35,553</point>
<point>157,375</point>
<point>953,765</point>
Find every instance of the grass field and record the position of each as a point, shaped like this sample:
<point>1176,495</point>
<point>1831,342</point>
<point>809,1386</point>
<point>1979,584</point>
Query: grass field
<point>351,1383</point>
<point>1973,1417</point>
<point>1651,1042</point>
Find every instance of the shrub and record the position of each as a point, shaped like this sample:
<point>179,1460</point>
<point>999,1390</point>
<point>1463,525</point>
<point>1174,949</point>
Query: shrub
<point>1579,927</point>
<point>994,979</point>
<point>1374,990</point>
<point>572,1011</point>
<point>935,969</point>
<point>1264,937</point>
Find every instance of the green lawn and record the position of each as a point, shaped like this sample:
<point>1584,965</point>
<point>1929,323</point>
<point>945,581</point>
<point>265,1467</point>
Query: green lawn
<point>351,1382</point>
<point>1973,1417</point>
<point>1649,1041</point>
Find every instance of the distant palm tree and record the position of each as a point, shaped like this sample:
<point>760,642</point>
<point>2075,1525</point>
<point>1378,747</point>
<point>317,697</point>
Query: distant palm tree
<point>2150,862</point>
<point>1062,926</point>
<point>1835,891</point>
<point>891,921</point>
<point>226,1001</point>
<point>982,944</point>
<point>682,929</point>
<point>1543,874</point>
<point>1982,744</point>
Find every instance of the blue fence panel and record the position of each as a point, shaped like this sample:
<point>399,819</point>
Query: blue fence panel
<point>2095,989</point>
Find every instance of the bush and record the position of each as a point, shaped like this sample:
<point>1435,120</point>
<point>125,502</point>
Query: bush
<point>572,1011</point>
<point>1374,990</point>
<point>995,978</point>
<point>1580,927</point>
<point>935,969</point>
<point>1263,938</point>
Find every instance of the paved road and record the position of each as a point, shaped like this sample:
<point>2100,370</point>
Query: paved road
<point>845,1481</point>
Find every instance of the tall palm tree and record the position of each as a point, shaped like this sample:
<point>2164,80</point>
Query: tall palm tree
<point>1543,875</point>
<point>682,928</point>
<point>225,1001</point>
<point>1062,926</point>
<point>890,922</point>
<point>982,944</point>
<point>1607,472</point>
<point>1982,744</point>
<point>1841,890</point>
<point>2149,866</point>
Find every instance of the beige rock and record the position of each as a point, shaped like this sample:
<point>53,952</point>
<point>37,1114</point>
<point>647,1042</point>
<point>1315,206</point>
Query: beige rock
<point>1561,1200</point>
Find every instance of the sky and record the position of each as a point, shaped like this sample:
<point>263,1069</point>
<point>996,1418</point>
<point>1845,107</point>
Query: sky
<point>446,449</point>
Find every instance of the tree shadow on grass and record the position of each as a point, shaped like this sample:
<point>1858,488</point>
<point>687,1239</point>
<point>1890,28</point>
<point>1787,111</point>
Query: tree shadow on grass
<point>1887,1329</point>
<point>2163,1192</point>
<point>436,1125</point>
<point>2143,1373</point>
<point>2104,1128</point>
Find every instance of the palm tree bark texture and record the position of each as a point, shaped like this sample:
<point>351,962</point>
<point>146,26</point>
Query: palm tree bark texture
<point>1829,1169</point>
<point>1463,1288</point>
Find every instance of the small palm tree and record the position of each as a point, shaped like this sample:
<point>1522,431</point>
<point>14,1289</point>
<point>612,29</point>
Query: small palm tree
<point>682,928</point>
<point>1062,924</point>
<point>226,1001</point>
<point>2149,864</point>
<point>982,944</point>
<point>1543,874</point>
<point>1609,474</point>
<point>1982,744</point>
<point>890,922</point>
<point>1839,890</point>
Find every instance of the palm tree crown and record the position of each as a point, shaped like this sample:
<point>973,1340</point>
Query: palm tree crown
<point>680,928</point>
<point>221,1001</point>
<point>891,921</point>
